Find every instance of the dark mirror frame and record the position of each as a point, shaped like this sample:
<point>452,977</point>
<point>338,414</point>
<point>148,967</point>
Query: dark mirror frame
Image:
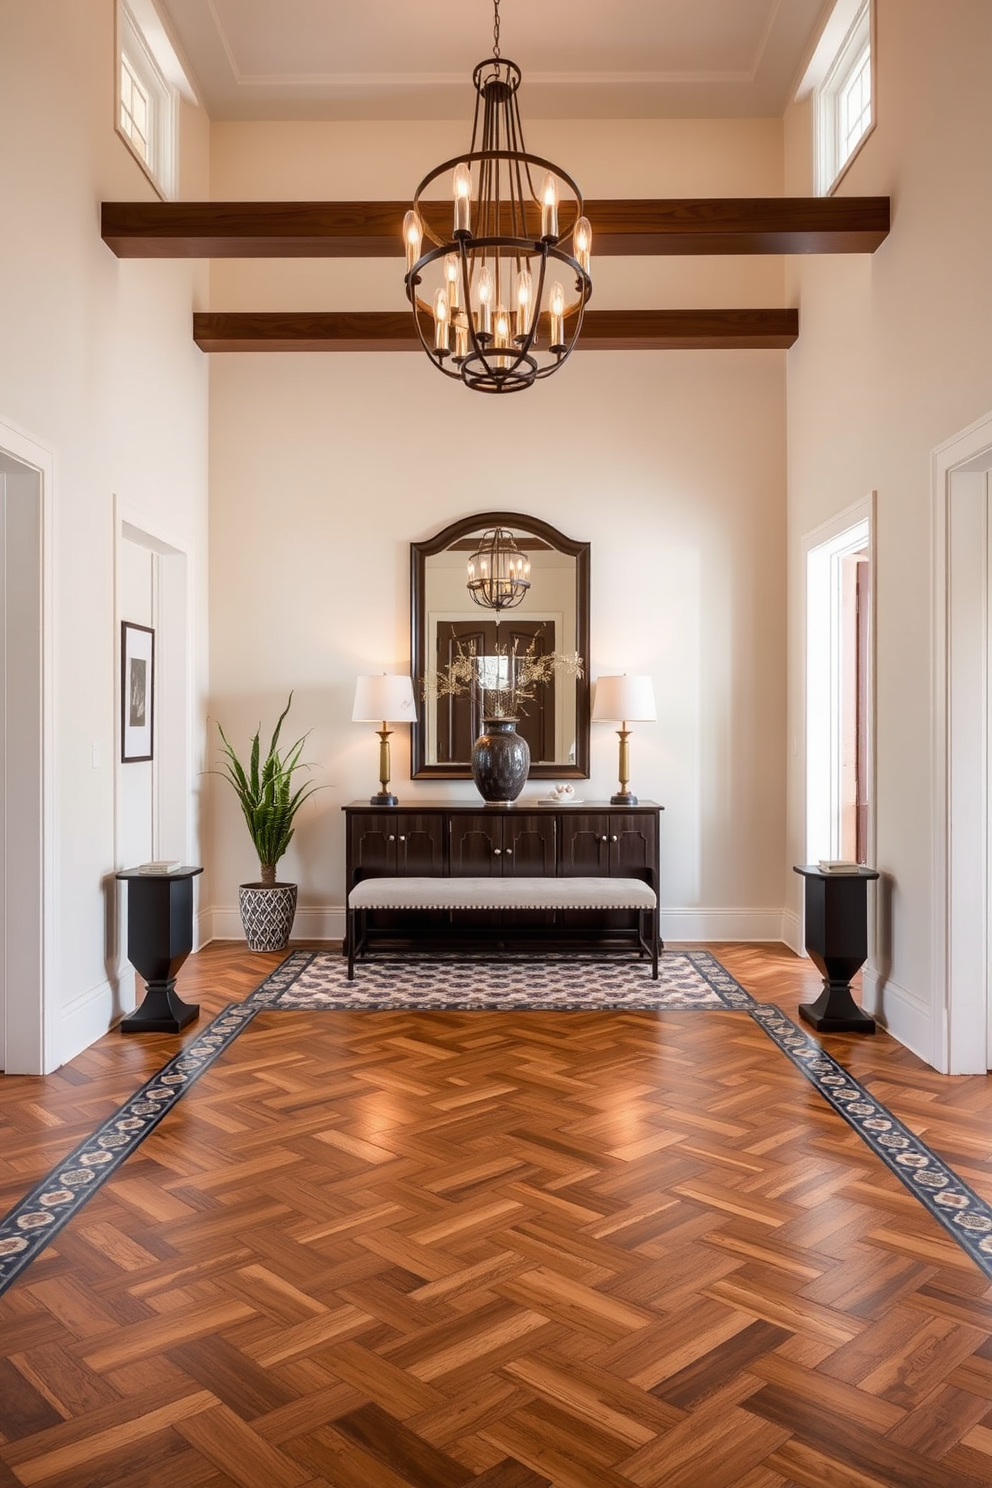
<point>466,527</point>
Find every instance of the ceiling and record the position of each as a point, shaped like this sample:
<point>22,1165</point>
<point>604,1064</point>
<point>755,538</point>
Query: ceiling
<point>396,59</point>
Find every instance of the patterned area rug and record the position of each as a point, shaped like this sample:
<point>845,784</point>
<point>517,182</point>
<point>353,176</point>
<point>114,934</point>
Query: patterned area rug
<point>464,984</point>
<point>316,980</point>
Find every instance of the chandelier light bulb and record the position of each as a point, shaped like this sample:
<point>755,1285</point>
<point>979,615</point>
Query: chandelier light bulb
<point>453,278</point>
<point>583,242</point>
<point>462,187</point>
<point>557,307</point>
<point>549,208</point>
<point>484,324</point>
<point>459,321</point>
<point>525,295</point>
<point>440,321</point>
<point>413,234</point>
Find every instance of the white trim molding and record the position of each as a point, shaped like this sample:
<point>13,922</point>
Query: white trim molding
<point>33,1024</point>
<point>960,798</point>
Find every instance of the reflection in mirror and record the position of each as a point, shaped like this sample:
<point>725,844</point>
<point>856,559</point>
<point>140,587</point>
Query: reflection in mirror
<point>552,617</point>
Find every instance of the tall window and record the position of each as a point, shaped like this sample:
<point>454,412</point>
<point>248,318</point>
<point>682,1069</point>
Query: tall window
<point>843,105</point>
<point>149,80</point>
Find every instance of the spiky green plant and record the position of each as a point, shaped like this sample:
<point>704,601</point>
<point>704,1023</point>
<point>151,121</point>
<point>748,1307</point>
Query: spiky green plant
<point>266,793</point>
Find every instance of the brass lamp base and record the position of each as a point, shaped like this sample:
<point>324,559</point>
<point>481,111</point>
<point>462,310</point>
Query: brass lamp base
<point>624,796</point>
<point>385,796</point>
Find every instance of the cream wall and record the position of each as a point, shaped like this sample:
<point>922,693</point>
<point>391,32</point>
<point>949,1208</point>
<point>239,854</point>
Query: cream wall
<point>324,468</point>
<point>97,366</point>
<point>893,359</point>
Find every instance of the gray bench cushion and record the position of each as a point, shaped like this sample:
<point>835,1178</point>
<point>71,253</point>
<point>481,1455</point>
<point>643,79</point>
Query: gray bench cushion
<point>502,893</point>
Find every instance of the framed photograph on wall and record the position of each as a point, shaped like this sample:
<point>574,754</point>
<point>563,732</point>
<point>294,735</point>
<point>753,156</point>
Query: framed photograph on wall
<point>137,691</point>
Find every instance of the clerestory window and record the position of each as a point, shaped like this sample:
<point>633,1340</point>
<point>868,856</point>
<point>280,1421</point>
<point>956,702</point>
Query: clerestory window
<point>843,100</point>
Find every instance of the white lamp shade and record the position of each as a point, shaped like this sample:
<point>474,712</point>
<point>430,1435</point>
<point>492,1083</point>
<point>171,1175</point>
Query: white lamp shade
<point>382,699</point>
<point>624,700</point>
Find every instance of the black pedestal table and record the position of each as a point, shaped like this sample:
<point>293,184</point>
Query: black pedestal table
<point>159,938</point>
<point>837,942</point>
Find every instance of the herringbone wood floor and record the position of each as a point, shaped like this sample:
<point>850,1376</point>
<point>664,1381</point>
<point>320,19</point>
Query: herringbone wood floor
<point>590,1250</point>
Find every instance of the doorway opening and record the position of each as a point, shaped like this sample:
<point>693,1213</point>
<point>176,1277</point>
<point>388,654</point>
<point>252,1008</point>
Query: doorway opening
<point>839,676</point>
<point>154,799</point>
<point>27,1042</point>
<point>962,800</point>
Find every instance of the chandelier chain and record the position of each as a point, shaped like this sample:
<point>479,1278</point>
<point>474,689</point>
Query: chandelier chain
<point>496,29</point>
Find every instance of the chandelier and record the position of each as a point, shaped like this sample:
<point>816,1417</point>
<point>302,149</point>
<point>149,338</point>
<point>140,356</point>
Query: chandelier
<point>498,573</point>
<point>500,302</point>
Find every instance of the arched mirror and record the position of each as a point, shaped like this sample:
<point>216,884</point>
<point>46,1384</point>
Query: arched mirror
<point>550,618</point>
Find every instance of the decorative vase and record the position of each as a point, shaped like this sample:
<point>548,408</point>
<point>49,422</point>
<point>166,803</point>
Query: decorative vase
<point>500,760</point>
<point>267,914</point>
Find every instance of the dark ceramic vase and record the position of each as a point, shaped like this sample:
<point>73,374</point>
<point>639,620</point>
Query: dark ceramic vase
<point>500,760</point>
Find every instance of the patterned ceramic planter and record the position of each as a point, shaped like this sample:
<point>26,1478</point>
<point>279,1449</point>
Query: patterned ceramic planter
<point>267,913</point>
<point>500,760</point>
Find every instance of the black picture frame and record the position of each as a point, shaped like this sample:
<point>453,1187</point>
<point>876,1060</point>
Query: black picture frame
<point>137,692</point>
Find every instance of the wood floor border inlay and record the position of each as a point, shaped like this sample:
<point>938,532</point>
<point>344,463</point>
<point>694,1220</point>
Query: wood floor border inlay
<point>30,1226</point>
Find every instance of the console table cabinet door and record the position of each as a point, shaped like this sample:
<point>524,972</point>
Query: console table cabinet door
<point>503,847</point>
<point>402,842</point>
<point>585,844</point>
<point>420,845</point>
<point>529,844</point>
<point>475,847</point>
<point>634,847</point>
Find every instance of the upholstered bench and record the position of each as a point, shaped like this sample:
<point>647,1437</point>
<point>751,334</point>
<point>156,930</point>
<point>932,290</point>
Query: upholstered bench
<point>480,894</point>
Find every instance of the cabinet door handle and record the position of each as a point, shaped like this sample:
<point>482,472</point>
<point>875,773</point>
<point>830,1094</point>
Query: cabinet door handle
<point>403,838</point>
<point>605,838</point>
<point>509,852</point>
<point>497,851</point>
<point>392,837</point>
<point>612,839</point>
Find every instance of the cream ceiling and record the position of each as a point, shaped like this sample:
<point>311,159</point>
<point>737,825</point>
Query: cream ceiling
<point>394,59</point>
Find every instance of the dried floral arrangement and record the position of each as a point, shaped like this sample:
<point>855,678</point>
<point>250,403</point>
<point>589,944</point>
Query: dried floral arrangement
<point>507,677</point>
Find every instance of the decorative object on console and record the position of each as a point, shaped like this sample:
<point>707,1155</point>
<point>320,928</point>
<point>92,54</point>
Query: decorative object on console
<point>483,308</point>
<point>500,761</point>
<point>269,803</point>
<point>498,574</point>
<point>506,678</point>
<point>504,681</point>
<point>624,700</point>
<point>385,699</point>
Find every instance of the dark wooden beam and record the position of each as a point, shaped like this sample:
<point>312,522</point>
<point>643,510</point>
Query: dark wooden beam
<point>722,225</point>
<point>602,330</point>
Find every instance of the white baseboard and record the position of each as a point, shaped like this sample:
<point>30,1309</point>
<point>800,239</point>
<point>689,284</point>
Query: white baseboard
<point>313,922</point>
<point>722,924</point>
<point>900,1012</point>
<point>92,1014</point>
<point>792,931</point>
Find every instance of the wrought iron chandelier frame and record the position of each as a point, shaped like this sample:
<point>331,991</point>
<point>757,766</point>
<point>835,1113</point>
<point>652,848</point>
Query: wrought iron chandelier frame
<point>486,355</point>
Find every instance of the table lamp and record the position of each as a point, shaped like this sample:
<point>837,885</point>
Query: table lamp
<point>624,700</point>
<point>387,700</point>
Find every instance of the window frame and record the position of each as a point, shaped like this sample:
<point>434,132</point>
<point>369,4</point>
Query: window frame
<point>829,167</point>
<point>131,47</point>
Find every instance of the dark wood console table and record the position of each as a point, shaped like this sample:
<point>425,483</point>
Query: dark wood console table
<point>159,938</point>
<point>525,839</point>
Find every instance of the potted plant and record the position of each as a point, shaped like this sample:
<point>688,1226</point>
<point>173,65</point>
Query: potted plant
<point>269,800</point>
